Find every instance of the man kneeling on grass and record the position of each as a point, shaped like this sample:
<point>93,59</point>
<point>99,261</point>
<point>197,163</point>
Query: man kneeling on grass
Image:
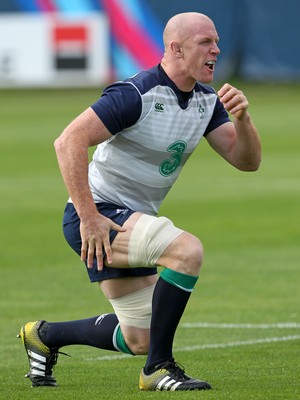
<point>145,128</point>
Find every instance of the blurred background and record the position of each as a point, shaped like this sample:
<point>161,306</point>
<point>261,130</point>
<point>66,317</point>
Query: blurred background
<point>55,58</point>
<point>87,42</point>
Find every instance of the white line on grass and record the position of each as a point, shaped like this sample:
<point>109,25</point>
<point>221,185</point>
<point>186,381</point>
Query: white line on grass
<point>211,346</point>
<point>280,325</point>
<point>240,343</point>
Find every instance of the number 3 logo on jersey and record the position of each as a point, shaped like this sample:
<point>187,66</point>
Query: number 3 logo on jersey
<point>168,166</point>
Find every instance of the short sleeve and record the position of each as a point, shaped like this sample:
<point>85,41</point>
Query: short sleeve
<point>219,117</point>
<point>119,107</point>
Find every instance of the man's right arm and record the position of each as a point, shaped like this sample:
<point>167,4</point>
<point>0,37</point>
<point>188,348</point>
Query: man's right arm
<point>72,153</point>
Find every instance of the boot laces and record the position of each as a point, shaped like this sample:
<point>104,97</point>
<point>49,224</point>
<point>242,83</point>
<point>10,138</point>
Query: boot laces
<point>176,369</point>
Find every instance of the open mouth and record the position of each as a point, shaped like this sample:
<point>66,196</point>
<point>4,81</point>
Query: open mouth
<point>211,64</point>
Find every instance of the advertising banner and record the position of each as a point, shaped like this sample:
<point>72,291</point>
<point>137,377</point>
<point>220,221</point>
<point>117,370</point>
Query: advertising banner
<point>53,50</point>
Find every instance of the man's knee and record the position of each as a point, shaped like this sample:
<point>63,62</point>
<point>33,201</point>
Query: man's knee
<point>137,339</point>
<point>184,254</point>
<point>134,313</point>
<point>149,239</point>
<point>156,241</point>
<point>191,250</point>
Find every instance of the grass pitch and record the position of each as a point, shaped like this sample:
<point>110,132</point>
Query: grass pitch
<point>241,329</point>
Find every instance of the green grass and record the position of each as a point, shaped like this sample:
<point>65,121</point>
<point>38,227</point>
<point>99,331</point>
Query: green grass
<point>248,223</point>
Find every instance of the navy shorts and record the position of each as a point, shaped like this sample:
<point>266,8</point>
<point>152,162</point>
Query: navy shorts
<point>117,214</point>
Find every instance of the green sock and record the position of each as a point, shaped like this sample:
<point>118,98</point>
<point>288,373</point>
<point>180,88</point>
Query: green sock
<point>170,297</point>
<point>120,343</point>
<point>177,279</point>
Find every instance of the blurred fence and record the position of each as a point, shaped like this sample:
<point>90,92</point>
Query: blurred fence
<point>84,42</point>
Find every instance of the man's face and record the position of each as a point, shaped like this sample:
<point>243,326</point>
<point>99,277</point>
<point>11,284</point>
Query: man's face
<point>200,51</point>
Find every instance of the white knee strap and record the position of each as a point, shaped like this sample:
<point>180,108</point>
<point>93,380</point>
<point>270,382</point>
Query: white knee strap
<point>135,309</point>
<point>149,239</point>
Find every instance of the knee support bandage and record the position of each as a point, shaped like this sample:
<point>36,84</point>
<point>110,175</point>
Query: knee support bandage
<point>135,309</point>
<point>149,238</point>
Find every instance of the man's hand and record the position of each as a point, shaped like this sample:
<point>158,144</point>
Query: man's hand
<point>233,100</point>
<point>95,239</point>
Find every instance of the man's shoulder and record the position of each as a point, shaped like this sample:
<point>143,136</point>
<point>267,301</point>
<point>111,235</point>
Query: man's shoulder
<point>146,80</point>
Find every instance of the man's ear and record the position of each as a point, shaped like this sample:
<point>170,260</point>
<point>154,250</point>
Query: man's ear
<point>176,49</point>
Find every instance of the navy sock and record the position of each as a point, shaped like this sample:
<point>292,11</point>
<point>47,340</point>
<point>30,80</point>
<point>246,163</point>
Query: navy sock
<point>97,332</point>
<point>170,297</point>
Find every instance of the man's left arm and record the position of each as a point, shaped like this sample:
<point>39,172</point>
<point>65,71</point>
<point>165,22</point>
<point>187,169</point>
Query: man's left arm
<point>238,141</point>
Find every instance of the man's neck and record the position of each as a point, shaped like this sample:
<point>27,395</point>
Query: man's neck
<point>177,76</point>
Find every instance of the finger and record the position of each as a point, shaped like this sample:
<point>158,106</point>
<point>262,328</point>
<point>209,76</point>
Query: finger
<point>99,257</point>
<point>238,104</point>
<point>118,228</point>
<point>108,251</point>
<point>235,109</point>
<point>224,89</point>
<point>83,251</point>
<point>228,96</point>
<point>239,112</point>
<point>237,100</point>
<point>230,103</point>
<point>90,255</point>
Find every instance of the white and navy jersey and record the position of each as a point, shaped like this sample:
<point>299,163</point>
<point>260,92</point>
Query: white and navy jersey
<point>155,130</point>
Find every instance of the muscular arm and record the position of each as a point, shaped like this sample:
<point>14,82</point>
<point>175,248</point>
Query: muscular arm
<point>72,153</point>
<point>238,141</point>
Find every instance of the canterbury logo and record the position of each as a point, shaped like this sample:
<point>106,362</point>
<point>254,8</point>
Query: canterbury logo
<point>168,383</point>
<point>159,107</point>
